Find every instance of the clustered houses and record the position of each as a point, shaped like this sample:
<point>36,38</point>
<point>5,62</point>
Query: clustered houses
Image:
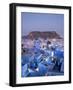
<point>42,54</point>
<point>42,57</point>
<point>42,43</point>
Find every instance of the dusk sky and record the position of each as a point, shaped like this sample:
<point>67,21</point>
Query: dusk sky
<point>42,22</point>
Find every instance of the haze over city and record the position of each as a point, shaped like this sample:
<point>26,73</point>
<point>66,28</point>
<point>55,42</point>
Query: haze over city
<point>42,22</point>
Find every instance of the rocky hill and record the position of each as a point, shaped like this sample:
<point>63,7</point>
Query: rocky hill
<point>44,35</point>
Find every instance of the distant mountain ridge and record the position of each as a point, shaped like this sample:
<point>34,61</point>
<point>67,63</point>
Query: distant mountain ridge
<point>44,35</point>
